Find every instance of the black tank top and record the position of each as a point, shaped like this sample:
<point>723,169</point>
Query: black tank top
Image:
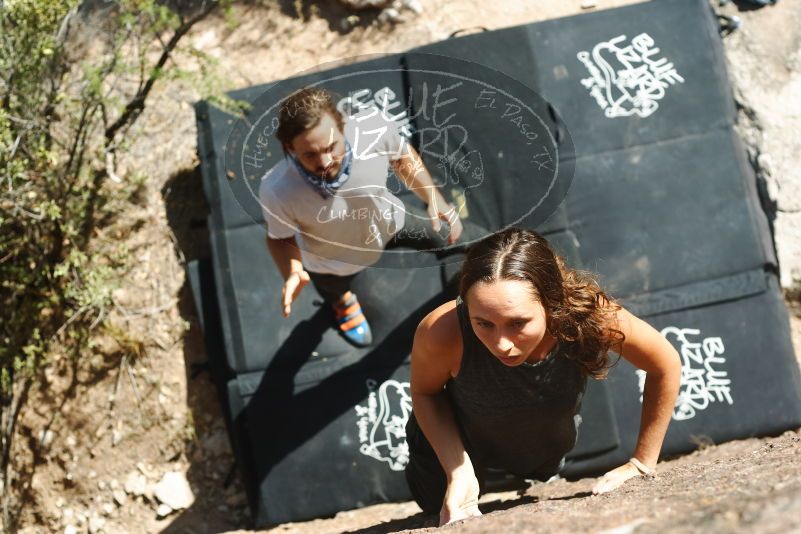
<point>522,419</point>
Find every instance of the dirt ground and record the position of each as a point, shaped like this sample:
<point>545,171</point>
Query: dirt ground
<point>734,487</point>
<point>111,419</point>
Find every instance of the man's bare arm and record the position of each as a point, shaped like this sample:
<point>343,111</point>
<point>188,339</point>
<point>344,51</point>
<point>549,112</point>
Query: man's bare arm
<point>286,255</point>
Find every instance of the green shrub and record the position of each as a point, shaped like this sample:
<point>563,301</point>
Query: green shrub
<point>64,109</point>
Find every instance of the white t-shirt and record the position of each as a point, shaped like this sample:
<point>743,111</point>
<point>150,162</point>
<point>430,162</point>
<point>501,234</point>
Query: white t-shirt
<point>346,232</point>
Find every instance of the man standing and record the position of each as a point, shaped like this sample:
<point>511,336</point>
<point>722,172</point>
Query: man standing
<point>327,208</point>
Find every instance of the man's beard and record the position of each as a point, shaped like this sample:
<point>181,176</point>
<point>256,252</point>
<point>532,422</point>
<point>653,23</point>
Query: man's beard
<point>329,173</point>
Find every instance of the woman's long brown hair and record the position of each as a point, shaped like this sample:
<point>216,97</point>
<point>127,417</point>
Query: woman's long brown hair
<point>579,314</point>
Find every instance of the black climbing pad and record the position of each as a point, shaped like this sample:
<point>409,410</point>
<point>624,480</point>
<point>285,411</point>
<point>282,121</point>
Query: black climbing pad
<point>635,75</point>
<point>662,215</point>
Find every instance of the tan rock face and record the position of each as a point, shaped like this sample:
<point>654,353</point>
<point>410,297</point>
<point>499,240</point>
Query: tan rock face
<point>765,71</point>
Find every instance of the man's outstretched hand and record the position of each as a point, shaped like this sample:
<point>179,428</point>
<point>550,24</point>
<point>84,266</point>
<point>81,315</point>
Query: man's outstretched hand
<point>292,287</point>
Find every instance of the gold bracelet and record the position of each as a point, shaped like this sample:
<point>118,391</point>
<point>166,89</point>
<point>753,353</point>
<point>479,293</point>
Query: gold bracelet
<point>641,467</point>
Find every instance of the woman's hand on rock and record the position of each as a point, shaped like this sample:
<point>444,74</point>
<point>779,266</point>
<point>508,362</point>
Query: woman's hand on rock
<point>461,499</point>
<point>616,478</point>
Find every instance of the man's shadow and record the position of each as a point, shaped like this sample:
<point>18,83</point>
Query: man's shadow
<point>295,399</point>
<point>307,383</point>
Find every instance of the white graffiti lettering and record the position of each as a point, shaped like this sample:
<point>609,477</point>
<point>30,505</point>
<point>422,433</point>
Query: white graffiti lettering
<point>628,79</point>
<point>326,214</point>
<point>362,104</point>
<point>702,379</point>
<point>382,421</point>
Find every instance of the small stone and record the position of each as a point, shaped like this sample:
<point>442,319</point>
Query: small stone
<point>135,484</point>
<point>71,441</point>
<point>96,524</point>
<point>46,438</point>
<point>108,509</point>
<point>346,23</point>
<point>150,493</point>
<point>390,14</point>
<point>113,484</point>
<point>146,470</point>
<point>116,438</point>
<point>731,516</point>
<point>413,5</point>
<point>101,484</point>
<point>119,497</point>
<point>70,529</point>
<point>163,511</point>
<point>36,481</point>
<point>765,164</point>
<point>60,502</point>
<point>67,514</point>
<point>588,4</point>
<point>174,490</point>
<point>773,187</point>
<point>92,474</point>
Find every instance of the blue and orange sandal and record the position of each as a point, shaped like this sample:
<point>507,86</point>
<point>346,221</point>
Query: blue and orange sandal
<point>352,324</point>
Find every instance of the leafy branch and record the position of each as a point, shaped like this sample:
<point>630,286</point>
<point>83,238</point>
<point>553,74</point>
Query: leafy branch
<point>65,103</point>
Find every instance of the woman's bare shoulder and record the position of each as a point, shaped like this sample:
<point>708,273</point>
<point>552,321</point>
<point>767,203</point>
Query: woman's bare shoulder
<point>439,336</point>
<point>441,326</point>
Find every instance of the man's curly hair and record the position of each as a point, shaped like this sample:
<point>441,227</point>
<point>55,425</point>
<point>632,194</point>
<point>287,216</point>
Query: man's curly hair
<point>302,110</point>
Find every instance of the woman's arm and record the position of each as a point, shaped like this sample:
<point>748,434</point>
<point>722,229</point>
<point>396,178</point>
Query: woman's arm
<point>435,358</point>
<point>648,350</point>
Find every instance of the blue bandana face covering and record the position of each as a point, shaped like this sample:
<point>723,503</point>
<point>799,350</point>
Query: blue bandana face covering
<point>325,187</point>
